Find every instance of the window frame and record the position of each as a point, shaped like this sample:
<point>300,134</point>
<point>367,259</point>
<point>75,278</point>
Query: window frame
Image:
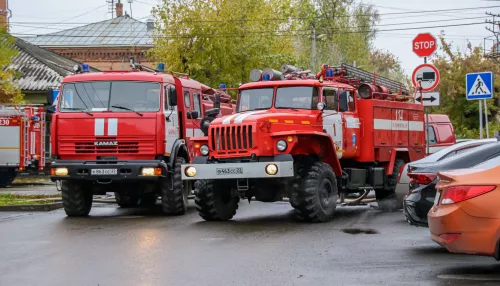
<point>187,103</point>
<point>336,97</point>
<point>197,107</point>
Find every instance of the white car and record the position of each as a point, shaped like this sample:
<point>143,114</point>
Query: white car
<point>403,182</point>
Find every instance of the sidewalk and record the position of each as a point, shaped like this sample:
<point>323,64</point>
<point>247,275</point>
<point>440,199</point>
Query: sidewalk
<point>30,190</point>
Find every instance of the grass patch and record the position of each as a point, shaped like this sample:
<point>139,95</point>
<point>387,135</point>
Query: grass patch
<point>12,200</point>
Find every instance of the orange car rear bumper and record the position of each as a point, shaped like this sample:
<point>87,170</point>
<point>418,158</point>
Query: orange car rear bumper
<point>474,235</point>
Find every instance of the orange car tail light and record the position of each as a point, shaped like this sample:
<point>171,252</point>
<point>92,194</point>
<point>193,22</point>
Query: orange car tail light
<point>423,179</point>
<point>456,194</point>
<point>450,237</point>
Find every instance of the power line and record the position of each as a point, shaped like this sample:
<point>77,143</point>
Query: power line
<point>246,33</point>
<point>335,16</point>
<point>379,25</point>
<point>74,17</point>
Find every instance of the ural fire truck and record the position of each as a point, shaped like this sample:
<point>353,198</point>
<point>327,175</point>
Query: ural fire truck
<point>314,138</point>
<point>127,132</point>
<point>22,143</point>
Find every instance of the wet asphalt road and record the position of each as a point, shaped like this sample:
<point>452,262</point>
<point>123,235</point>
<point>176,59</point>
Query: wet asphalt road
<point>263,245</point>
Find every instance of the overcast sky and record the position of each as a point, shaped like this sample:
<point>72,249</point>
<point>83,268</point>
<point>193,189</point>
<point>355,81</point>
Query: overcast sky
<point>27,16</point>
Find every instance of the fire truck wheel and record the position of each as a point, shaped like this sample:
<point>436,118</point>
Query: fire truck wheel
<point>7,176</point>
<point>174,201</point>
<point>76,198</point>
<point>386,199</point>
<point>127,201</point>
<point>215,201</point>
<point>316,198</point>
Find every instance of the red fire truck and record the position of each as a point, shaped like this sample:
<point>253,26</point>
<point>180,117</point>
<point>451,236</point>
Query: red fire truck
<point>22,147</point>
<point>128,132</point>
<point>313,138</point>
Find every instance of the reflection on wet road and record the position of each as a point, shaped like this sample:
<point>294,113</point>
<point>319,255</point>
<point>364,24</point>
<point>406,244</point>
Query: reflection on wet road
<point>263,245</point>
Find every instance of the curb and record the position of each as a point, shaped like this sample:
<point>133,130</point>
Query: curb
<point>32,208</point>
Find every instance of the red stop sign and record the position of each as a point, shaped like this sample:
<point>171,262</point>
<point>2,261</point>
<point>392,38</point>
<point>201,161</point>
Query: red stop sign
<point>424,45</point>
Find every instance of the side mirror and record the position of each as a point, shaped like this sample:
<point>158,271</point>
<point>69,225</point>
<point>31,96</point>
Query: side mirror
<point>172,96</point>
<point>193,114</point>
<point>212,112</point>
<point>217,100</point>
<point>343,101</point>
<point>51,109</point>
<point>51,96</point>
<point>321,106</point>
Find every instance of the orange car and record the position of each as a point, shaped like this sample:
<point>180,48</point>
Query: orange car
<point>465,217</point>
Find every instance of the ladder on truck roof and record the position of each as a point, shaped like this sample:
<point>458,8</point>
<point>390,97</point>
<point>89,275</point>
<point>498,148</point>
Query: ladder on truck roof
<point>354,73</point>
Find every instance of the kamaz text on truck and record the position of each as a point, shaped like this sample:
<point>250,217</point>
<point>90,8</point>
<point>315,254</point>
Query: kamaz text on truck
<point>127,132</point>
<point>314,138</point>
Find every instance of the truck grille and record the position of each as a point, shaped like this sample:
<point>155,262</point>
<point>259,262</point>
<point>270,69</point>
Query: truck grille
<point>231,138</point>
<point>129,145</point>
<point>122,147</point>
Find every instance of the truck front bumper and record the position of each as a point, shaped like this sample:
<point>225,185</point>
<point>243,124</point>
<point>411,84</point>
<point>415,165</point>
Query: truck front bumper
<point>107,171</point>
<point>247,170</point>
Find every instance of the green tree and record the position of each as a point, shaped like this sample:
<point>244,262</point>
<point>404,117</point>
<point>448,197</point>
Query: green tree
<point>453,65</point>
<point>9,93</point>
<point>221,41</point>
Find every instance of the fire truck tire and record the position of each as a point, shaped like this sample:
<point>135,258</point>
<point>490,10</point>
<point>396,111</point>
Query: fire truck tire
<point>7,176</point>
<point>174,201</point>
<point>77,200</point>
<point>127,201</point>
<point>316,198</point>
<point>386,199</point>
<point>214,201</point>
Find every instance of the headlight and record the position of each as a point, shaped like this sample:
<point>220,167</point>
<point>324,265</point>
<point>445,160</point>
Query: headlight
<point>281,145</point>
<point>190,171</point>
<point>204,150</point>
<point>150,171</point>
<point>61,171</point>
<point>271,169</point>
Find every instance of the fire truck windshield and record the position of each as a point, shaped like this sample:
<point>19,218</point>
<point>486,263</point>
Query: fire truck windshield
<point>255,99</point>
<point>297,97</point>
<point>108,95</point>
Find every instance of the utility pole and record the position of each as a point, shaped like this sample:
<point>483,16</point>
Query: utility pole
<point>111,8</point>
<point>494,39</point>
<point>313,60</point>
<point>130,3</point>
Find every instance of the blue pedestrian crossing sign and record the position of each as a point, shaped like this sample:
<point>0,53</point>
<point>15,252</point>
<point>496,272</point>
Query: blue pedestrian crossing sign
<point>479,85</point>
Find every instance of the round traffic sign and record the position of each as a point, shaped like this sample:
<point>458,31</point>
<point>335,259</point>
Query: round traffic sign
<point>424,45</point>
<point>427,75</point>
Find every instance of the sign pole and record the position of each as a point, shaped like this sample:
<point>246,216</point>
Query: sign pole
<point>480,119</point>
<point>427,127</point>
<point>486,119</point>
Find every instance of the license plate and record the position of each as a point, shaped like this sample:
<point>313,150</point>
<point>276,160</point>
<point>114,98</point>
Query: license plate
<point>99,172</point>
<point>229,171</point>
<point>436,199</point>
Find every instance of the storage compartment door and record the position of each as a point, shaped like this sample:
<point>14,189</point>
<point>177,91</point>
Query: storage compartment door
<point>10,145</point>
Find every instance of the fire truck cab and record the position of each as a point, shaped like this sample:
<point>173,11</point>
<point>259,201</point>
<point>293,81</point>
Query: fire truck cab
<point>313,138</point>
<point>128,132</point>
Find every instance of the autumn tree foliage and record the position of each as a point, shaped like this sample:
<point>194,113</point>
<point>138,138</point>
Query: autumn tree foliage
<point>453,65</point>
<point>221,41</point>
<point>9,93</point>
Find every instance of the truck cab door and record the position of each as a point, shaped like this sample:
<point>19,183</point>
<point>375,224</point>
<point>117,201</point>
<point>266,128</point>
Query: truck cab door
<point>193,116</point>
<point>332,119</point>
<point>171,121</point>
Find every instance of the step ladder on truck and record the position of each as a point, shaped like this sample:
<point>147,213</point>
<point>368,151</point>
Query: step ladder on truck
<point>22,147</point>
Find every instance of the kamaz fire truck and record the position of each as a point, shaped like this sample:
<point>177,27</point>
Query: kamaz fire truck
<point>314,138</point>
<point>22,143</point>
<point>128,132</point>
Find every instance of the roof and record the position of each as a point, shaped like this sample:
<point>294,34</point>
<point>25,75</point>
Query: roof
<point>38,68</point>
<point>120,75</point>
<point>120,31</point>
